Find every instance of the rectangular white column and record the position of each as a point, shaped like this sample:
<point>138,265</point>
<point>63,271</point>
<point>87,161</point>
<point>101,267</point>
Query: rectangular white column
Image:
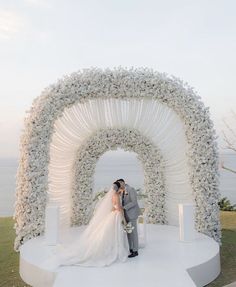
<point>186,222</point>
<point>142,231</point>
<point>52,225</point>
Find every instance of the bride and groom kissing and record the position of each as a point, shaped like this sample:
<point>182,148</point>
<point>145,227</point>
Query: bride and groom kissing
<point>130,208</point>
<point>104,240</point>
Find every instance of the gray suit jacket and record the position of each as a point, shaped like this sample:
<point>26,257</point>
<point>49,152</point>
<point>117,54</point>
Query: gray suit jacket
<point>131,207</point>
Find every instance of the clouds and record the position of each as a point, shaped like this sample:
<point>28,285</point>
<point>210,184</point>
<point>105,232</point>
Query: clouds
<point>41,40</point>
<point>16,18</point>
<point>11,23</point>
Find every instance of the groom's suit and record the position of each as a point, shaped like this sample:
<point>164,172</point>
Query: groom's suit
<point>131,213</point>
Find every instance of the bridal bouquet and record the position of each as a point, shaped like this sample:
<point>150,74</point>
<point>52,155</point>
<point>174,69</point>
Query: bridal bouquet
<point>128,227</point>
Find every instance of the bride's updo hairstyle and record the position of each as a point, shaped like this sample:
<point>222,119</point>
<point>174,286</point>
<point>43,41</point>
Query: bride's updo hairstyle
<point>116,186</point>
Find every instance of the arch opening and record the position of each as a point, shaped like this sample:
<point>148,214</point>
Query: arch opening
<point>118,164</point>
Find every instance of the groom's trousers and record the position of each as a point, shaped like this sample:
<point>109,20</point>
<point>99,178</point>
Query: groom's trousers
<point>133,236</point>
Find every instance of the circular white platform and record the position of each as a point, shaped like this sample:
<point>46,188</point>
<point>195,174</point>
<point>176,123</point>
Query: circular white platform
<point>165,261</point>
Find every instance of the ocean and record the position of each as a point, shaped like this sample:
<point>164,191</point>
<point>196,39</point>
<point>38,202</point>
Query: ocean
<point>111,166</point>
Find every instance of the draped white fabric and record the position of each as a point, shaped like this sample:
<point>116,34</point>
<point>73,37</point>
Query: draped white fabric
<point>152,118</point>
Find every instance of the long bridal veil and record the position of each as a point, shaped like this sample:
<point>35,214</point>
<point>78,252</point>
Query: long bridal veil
<point>102,209</point>
<point>101,243</point>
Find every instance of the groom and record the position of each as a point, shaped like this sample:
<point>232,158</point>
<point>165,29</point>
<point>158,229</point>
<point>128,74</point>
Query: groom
<point>131,213</point>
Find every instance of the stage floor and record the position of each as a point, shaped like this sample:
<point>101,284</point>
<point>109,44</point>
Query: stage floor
<point>164,261</point>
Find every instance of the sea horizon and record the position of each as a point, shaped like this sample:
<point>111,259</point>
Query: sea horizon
<point>110,166</point>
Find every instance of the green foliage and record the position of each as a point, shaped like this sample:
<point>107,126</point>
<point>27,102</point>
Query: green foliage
<point>9,259</point>
<point>227,250</point>
<point>140,193</point>
<point>100,194</point>
<point>225,205</point>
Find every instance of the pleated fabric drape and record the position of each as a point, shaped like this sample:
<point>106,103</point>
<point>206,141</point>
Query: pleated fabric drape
<point>153,119</point>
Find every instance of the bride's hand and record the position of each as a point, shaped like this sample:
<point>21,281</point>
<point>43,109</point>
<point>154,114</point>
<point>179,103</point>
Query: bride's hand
<point>121,209</point>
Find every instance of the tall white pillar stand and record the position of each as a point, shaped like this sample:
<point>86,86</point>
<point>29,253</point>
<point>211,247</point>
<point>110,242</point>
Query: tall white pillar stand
<point>186,222</point>
<point>141,226</point>
<point>51,225</point>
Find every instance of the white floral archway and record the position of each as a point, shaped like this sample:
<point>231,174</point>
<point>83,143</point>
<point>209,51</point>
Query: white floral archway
<point>84,168</point>
<point>137,99</point>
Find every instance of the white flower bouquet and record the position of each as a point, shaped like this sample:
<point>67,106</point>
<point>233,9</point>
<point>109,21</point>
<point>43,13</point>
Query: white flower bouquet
<point>128,227</point>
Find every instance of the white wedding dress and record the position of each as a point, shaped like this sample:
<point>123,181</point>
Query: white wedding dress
<point>103,241</point>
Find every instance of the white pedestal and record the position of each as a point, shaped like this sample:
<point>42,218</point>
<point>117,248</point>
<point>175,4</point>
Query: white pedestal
<point>51,225</point>
<point>158,264</point>
<point>142,238</point>
<point>186,222</point>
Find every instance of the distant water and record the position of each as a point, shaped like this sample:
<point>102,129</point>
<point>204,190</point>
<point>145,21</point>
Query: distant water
<point>111,166</point>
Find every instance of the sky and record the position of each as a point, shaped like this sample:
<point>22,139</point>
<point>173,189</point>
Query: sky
<point>42,40</point>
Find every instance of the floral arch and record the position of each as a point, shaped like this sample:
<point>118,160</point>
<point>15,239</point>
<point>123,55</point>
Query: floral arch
<point>162,109</point>
<point>129,140</point>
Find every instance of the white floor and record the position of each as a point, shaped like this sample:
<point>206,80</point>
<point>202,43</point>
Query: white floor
<point>165,261</point>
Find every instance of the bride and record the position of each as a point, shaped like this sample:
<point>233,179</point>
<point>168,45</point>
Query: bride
<point>102,242</point>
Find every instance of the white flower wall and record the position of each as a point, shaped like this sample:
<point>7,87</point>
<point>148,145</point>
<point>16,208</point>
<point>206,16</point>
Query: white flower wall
<point>32,174</point>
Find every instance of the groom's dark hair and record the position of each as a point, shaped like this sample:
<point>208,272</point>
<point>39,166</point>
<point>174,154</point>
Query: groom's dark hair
<point>121,179</point>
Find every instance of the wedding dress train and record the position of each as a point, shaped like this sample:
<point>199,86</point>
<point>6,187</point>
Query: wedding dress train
<point>101,243</point>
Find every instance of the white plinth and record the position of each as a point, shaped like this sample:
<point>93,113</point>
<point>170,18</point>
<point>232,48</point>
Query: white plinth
<point>142,231</point>
<point>51,225</point>
<point>186,222</point>
<point>165,261</point>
